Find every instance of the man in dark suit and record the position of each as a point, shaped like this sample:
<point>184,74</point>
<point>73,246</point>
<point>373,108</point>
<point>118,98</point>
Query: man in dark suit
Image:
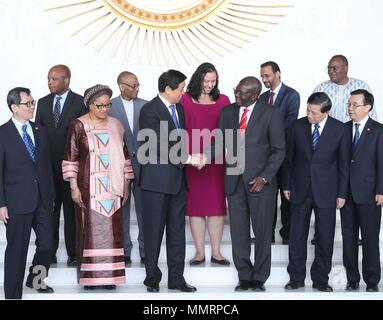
<point>363,206</point>
<point>26,195</point>
<point>315,176</point>
<point>162,180</point>
<point>55,112</point>
<point>254,144</point>
<point>127,108</point>
<point>287,101</point>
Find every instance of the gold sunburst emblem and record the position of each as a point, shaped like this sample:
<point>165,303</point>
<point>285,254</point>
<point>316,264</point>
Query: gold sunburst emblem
<point>160,31</point>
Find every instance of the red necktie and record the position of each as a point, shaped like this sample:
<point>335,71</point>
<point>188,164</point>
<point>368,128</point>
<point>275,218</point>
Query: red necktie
<point>271,98</point>
<point>243,122</point>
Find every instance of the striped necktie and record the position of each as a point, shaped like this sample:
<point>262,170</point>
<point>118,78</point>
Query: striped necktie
<point>174,116</point>
<point>28,142</point>
<point>243,123</point>
<point>57,111</point>
<point>356,136</point>
<point>315,135</point>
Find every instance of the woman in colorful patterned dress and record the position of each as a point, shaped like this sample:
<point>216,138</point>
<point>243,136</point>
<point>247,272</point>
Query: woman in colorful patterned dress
<point>97,166</point>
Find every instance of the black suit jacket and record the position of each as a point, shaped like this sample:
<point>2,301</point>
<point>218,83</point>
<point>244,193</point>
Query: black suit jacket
<point>288,102</point>
<point>160,174</point>
<point>325,171</point>
<point>264,146</point>
<point>73,108</point>
<point>366,168</point>
<point>23,181</point>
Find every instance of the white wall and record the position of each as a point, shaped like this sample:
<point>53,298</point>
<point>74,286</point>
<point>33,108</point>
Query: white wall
<point>313,31</point>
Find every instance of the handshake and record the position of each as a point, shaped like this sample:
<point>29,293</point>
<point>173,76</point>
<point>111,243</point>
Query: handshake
<point>197,160</point>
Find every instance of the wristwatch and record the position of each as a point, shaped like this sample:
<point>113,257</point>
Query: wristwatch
<point>264,180</point>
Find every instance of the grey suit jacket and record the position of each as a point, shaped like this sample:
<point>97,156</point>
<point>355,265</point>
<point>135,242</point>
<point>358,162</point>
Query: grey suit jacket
<point>117,111</point>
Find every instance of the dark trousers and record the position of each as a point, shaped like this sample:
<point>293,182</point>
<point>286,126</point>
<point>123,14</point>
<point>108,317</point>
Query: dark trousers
<point>367,217</point>
<point>324,235</point>
<point>257,209</point>
<point>18,231</point>
<point>160,210</point>
<point>285,210</point>
<point>63,197</point>
<point>137,193</point>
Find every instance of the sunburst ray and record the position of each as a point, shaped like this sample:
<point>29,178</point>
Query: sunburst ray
<point>192,31</point>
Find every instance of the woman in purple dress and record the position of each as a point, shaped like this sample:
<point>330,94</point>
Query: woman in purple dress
<point>205,205</point>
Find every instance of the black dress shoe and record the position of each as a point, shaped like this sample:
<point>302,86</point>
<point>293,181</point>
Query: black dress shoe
<point>195,262</point>
<point>372,288</point>
<point>285,241</point>
<point>54,259</point>
<point>293,285</point>
<point>324,287</point>
<point>108,287</point>
<point>222,262</point>
<point>258,286</point>
<point>153,288</point>
<point>183,287</point>
<point>313,241</point>
<point>142,260</point>
<point>45,289</point>
<point>351,286</point>
<point>71,262</point>
<point>273,239</point>
<point>128,261</point>
<point>90,288</point>
<point>243,285</point>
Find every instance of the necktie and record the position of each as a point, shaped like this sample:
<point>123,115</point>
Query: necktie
<point>57,111</point>
<point>356,136</point>
<point>28,142</point>
<point>315,135</point>
<point>271,98</point>
<point>243,122</point>
<point>174,116</point>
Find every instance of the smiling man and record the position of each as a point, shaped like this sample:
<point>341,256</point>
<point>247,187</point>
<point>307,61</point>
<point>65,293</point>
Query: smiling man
<point>339,87</point>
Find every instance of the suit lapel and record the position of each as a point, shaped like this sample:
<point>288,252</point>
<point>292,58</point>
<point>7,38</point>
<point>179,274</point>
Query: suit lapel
<point>280,97</point>
<point>165,114</point>
<point>136,117</point>
<point>308,136</point>
<point>364,136</point>
<point>18,141</point>
<point>181,116</point>
<point>49,112</point>
<point>65,108</point>
<point>36,135</point>
<point>326,132</point>
<point>255,115</point>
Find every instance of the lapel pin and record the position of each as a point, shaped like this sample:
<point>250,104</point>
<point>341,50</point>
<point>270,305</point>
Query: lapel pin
<point>368,129</point>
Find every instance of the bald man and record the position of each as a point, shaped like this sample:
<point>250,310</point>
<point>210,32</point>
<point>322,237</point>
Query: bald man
<point>250,182</point>
<point>55,112</point>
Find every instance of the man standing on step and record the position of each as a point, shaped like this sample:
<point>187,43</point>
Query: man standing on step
<point>163,182</point>
<point>26,195</point>
<point>252,133</point>
<point>315,176</point>
<point>363,207</point>
<point>287,101</point>
<point>127,108</point>
<point>55,112</point>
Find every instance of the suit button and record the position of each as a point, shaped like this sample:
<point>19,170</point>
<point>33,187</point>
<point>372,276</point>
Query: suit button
<point>35,181</point>
<point>352,161</point>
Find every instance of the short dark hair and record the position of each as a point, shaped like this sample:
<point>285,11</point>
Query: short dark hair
<point>340,57</point>
<point>14,97</point>
<point>171,78</point>
<point>124,74</point>
<point>274,66</point>
<point>321,99</point>
<point>196,82</point>
<point>367,97</point>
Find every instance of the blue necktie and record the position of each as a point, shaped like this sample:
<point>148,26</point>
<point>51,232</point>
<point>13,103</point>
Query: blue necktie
<point>174,115</point>
<point>28,142</point>
<point>356,136</point>
<point>315,135</point>
<point>57,111</point>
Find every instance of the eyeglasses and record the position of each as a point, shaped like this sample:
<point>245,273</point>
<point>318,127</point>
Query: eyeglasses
<point>28,104</point>
<point>103,106</point>
<point>134,87</point>
<point>354,106</point>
